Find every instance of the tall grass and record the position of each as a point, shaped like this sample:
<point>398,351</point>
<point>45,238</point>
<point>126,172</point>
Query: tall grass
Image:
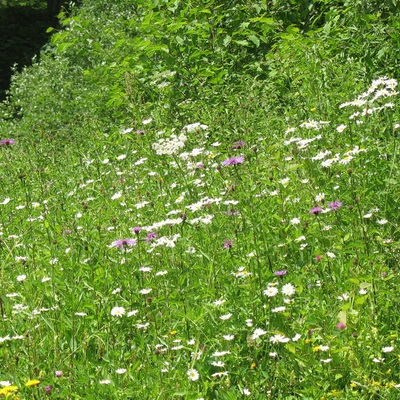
<point>240,243</point>
<point>163,265</point>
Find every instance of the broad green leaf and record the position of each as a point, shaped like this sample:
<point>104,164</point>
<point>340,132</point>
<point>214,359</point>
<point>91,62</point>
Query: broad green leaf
<point>365,285</point>
<point>342,316</point>
<point>227,40</point>
<point>264,20</point>
<point>292,29</point>
<point>361,300</point>
<point>242,42</point>
<point>346,306</point>
<point>254,39</point>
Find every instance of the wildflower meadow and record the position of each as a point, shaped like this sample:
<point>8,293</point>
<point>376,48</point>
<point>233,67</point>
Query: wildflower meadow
<point>239,244</point>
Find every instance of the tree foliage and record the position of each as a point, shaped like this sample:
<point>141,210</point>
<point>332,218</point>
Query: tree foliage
<point>112,60</point>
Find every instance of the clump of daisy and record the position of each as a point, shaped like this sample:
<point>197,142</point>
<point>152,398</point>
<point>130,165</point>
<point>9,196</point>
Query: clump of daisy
<point>193,375</point>
<point>120,371</point>
<point>288,289</point>
<point>271,291</point>
<point>118,311</point>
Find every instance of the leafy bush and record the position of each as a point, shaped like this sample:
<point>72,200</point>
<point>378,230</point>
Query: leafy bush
<point>117,63</point>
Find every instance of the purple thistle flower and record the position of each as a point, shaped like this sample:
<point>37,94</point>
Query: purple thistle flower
<point>233,161</point>
<point>136,229</point>
<point>228,244</point>
<point>335,205</point>
<point>238,145</point>
<point>232,212</point>
<point>139,132</point>
<point>150,237</point>
<point>316,210</point>
<point>48,389</point>
<point>122,243</point>
<point>280,273</point>
<point>7,142</point>
<point>341,326</point>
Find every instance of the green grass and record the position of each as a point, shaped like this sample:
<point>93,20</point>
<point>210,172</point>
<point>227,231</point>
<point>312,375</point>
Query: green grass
<point>221,233</point>
<point>264,259</point>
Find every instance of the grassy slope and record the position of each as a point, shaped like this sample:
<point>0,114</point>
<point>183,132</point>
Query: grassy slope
<point>76,184</point>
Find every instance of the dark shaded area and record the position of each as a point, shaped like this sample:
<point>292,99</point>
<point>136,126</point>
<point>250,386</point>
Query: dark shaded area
<point>22,35</point>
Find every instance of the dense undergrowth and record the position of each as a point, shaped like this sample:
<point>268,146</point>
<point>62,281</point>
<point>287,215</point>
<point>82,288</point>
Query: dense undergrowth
<point>199,200</point>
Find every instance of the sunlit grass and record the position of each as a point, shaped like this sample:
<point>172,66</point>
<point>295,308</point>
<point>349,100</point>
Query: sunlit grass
<point>176,262</point>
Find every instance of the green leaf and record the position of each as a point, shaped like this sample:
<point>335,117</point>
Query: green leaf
<point>255,40</point>
<point>206,72</point>
<point>268,21</point>
<point>292,29</point>
<point>242,42</point>
<point>291,347</point>
<point>218,79</point>
<point>64,46</point>
<point>227,40</point>
<point>342,316</point>
<point>381,53</point>
<point>346,306</point>
<point>365,285</point>
<point>59,37</point>
<point>361,300</point>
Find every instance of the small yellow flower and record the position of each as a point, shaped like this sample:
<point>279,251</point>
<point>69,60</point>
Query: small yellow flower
<point>307,341</point>
<point>316,348</point>
<point>6,391</point>
<point>313,109</point>
<point>173,333</point>
<point>253,366</point>
<point>32,382</point>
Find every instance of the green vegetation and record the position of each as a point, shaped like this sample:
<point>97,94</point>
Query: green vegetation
<point>199,201</point>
